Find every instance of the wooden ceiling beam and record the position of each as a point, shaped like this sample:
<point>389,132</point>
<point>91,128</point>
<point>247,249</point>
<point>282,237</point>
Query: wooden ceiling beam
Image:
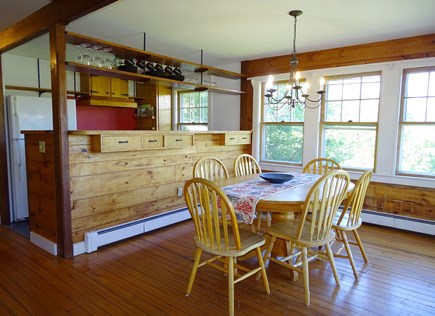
<point>392,50</point>
<point>57,12</point>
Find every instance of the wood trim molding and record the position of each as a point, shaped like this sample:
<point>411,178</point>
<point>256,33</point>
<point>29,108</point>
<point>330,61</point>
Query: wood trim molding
<point>393,50</point>
<point>60,11</point>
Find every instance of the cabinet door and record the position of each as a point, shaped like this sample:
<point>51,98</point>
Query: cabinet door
<point>119,88</point>
<point>100,86</point>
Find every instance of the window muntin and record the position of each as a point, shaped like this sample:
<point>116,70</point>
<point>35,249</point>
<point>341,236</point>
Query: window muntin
<point>350,119</point>
<point>282,131</point>
<point>192,110</point>
<point>416,154</point>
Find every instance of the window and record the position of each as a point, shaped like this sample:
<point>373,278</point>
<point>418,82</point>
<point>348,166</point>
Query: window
<point>350,119</point>
<point>282,130</point>
<point>416,155</point>
<point>192,110</point>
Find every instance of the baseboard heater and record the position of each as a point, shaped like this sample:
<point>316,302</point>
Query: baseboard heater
<point>399,222</point>
<point>95,239</point>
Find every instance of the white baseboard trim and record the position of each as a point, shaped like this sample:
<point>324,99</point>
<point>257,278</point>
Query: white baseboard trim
<point>43,243</point>
<point>95,239</point>
<point>399,222</point>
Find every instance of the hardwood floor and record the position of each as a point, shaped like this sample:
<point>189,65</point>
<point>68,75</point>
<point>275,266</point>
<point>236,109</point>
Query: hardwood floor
<point>147,275</point>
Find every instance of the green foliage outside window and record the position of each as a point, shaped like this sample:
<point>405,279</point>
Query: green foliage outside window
<point>283,131</point>
<point>193,110</point>
<point>417,143</point>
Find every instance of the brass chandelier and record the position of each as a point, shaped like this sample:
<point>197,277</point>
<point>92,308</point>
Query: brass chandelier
<point>294,94</point>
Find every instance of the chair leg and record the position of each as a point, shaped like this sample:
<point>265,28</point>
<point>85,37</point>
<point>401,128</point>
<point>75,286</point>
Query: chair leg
<point>360,245</point>
<point>306,274</point>
<point>269,249</point>
<point>231,286</point>
<point>349,254</point>
<point>263,270</point>
<point>332,262</point>
<point>259,214</point>
<point>198,253</point>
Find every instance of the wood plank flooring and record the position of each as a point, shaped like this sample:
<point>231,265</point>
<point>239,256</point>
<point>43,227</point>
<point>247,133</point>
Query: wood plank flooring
<point>147,275</point>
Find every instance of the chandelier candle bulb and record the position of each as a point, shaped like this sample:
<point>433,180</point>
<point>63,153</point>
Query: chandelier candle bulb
<point>297,77</point>
<point>269,83</point>
<point>322,83</point>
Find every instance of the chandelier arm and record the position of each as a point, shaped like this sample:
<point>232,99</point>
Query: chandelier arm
<point>314,101</point>
<point>278,100</point>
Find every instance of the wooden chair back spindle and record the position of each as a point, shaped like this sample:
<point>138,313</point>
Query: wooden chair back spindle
<point>210,168</point>
<point>245,165</point>
<point>321,166</point>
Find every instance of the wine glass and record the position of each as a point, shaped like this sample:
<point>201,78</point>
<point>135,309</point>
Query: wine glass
<point>96,59</point>
<point>84,57</point>
<point>107,61</point>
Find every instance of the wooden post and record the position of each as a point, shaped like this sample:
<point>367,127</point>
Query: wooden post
<point>60,133</point>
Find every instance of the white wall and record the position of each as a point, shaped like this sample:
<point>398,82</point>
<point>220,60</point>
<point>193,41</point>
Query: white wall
<point>23,71</point>
<point>225,109</point>
<point>389,109</point>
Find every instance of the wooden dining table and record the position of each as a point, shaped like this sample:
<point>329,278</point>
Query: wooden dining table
<point>284,203</point>
<point>281,202</point>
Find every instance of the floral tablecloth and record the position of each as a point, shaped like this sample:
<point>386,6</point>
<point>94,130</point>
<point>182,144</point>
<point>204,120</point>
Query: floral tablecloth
<point>245,196</point>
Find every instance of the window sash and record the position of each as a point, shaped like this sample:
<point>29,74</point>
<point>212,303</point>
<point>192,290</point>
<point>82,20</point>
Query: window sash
<point>351,106</point>
<point>192,114</point>
<point>416,150</point>
<point>288,128</point>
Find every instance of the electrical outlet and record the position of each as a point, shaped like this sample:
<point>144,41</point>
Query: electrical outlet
<point>179,192</point>
<point>41,146</point>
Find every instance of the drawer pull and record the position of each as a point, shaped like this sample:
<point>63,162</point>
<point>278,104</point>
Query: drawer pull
<point>232,138</point>
<point>244,137</point>
<point>123,142</point>
<point>179,140</point>
<point>152,141</point>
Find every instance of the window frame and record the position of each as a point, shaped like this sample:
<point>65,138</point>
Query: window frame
<point>264,124</point>
<point>375,125</point>
<point>180,125</point>
<point>402,122</point>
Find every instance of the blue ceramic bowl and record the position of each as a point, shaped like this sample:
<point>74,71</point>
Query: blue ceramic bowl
<point>274,177</point>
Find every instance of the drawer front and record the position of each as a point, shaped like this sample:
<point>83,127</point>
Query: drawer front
<point>231,139</point>
<point>154,141</point>
<point>244,138</point>
<point>120,143</point>
<point>172,141</point>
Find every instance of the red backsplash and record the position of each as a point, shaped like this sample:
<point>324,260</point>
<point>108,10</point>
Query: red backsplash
<point>105,118</point>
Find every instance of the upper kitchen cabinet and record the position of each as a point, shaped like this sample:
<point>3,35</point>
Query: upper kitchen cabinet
<point>124,52</point>
<point>104,86</point>
<point>104,91</point>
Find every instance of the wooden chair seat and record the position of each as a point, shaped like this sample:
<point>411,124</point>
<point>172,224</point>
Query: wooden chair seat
<point>286,230</point>
<point>312,229</point>
<point>342,224</point>
<point>350,220</point>
<point>248,242</point>
<point>218,233</point>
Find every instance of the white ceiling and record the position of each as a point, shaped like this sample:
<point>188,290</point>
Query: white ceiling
<point>232,31</point>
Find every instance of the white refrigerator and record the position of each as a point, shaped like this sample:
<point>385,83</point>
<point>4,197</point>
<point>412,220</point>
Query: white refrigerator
<point>26,113</point>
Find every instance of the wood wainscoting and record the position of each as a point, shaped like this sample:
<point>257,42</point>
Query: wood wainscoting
<point>111,185</point>
<point>414,202</point>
